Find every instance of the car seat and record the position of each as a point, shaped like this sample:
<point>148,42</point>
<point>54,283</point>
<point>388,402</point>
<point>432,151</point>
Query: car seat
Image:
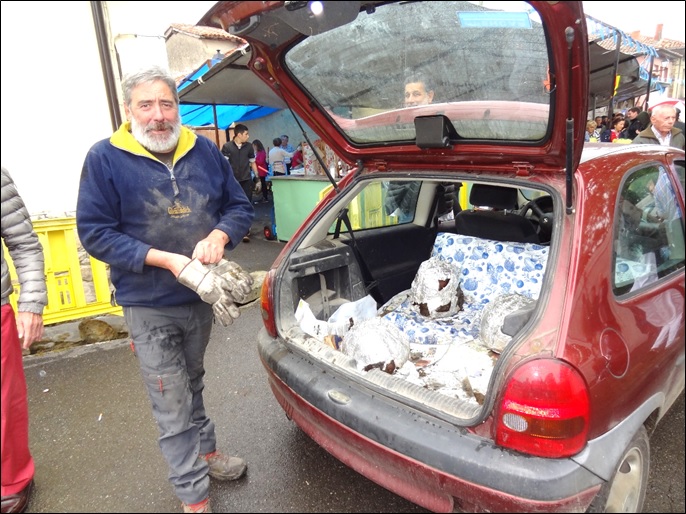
<point>497,221</point>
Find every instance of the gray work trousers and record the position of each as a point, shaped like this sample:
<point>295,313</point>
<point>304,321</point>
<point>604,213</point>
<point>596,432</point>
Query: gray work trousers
<point>170,344</point>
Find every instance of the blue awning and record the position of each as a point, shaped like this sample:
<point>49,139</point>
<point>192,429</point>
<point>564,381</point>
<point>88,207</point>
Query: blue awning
<point>201,115</point>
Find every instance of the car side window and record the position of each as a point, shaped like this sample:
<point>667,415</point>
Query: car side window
<point>649,230</point>
<point>381,204</point>
<point>400,200</point>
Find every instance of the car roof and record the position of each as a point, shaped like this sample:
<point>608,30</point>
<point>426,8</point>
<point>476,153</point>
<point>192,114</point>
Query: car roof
<point>510,78</point>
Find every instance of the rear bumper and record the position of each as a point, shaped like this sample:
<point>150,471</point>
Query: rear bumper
<point>423,459</point>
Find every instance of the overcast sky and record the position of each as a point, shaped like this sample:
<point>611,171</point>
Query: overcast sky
<point>153,18</point>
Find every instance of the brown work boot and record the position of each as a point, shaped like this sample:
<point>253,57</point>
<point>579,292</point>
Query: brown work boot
<point>223,467</point>
<point>203,506</point>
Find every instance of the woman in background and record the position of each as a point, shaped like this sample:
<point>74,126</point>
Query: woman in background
<point>297,160</point>
<point>617,127</point>
<point>590,131</point>
<point>611,133</point>
<point>262,167</point>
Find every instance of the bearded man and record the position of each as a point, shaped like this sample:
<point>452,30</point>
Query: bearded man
<point>161,205</point>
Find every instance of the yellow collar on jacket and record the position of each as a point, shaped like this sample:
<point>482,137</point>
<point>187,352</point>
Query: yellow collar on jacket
<point>124,140</point>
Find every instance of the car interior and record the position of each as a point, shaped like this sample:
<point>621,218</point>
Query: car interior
<point>497,216</point>
<point>386,236</point>
<point>386,229</point>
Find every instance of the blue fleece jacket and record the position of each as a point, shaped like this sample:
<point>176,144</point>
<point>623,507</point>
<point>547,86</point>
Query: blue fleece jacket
<point>127,205</point>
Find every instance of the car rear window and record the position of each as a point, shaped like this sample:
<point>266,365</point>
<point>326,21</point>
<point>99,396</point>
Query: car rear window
<point>487,69</point>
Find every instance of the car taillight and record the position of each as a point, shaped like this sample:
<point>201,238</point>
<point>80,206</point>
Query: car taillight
<point>544,410</point>
<point>267,303</point>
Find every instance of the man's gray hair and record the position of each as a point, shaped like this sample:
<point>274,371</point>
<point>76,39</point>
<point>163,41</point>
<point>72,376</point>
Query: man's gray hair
<point>413,77</point>
<point>133,80</point>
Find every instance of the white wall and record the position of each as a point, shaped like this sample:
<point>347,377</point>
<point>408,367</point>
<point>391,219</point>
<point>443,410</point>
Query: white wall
<point>54,105</point>
<point>54,102</point>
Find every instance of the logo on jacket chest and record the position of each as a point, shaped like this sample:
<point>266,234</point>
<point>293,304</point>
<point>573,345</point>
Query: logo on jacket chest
<point>178,210</point>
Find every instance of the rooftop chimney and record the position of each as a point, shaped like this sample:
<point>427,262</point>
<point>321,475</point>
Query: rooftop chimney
<point>658,32</point>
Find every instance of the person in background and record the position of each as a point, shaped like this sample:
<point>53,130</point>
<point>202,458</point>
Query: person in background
<point>678,123</point>
<point>589,135</point>
<point>605,122</point>
<point>661,130</point>
<point>288,148</point>
<point>297,160</point>
<point>277,156</point>
<point>241,156</point>
<point>612,132</point>
<point>617,127</point>
<point>262,167</point>
<point>598,127</point>
<point>643,119</point>
<point>161,206</point>
<point>401,197</point>
<point>666,204</point>
<point>18,332</point>
<point>418,90</point>
<point>633,125</point>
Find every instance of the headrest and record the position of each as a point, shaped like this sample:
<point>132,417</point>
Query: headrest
<point>497,197</point>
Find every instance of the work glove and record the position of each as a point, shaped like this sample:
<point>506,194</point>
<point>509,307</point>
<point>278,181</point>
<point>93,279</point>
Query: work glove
<point>212,288</point>
<point>240,282</point>
<point>225,310</point>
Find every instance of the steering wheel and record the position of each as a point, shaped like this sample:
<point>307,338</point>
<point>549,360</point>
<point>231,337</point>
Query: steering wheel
<point>540,212</point>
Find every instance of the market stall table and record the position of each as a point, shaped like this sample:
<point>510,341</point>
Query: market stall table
<point>294,198</point>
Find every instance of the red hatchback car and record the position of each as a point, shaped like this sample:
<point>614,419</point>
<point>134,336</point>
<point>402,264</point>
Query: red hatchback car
<point>483,313</point>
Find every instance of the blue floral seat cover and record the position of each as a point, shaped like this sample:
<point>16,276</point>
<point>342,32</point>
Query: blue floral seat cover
<point>487,270</point>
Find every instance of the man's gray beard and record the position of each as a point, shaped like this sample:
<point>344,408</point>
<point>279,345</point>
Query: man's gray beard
<point>159,144</point>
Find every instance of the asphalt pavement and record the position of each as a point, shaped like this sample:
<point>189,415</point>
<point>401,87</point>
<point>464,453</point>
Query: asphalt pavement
<point>94,439</point>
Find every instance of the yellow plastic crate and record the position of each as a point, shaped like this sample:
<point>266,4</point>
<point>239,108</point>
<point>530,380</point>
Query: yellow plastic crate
<point>70,295</point>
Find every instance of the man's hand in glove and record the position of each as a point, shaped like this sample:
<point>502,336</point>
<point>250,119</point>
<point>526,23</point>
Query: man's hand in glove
<point>240,282</point>
<point>225,310</point>
<point>212,288</point>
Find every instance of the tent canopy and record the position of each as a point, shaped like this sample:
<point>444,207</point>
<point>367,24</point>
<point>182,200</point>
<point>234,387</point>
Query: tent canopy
<point>602,63</point>
<point>226,93</point>
<point>609,45</point>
